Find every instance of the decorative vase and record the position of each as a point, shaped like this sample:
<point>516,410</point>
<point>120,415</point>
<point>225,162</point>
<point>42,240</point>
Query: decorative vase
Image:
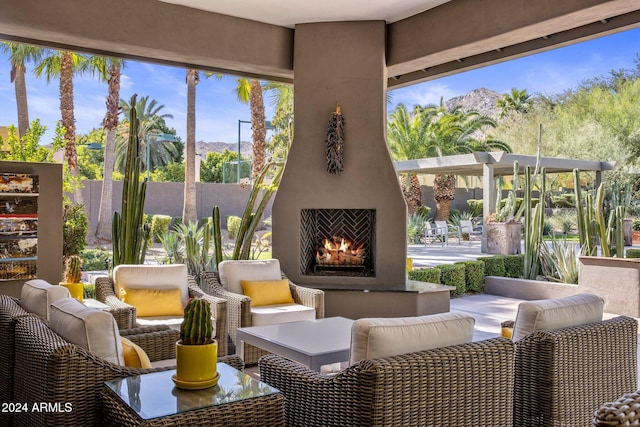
<point>75,289</point>
<point>196,366</point>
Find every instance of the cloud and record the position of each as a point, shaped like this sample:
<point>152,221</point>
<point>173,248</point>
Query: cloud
<point>423,94</point>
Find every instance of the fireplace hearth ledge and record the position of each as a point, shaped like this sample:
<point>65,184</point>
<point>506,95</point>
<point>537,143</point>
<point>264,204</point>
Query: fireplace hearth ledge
<point>411,299</point>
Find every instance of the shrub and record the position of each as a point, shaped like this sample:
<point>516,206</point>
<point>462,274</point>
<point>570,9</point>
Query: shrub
<point>159,225</point>
<point>474,275</point>
<point>453,275</point>
<point>416,226</point>
<point>89,290</point>
<point>95,259</point>
<point>429,275</point>
<point>233,225</point>
<point>74,230</point>
<point>633,253</point>
<point>547,228</point>
<point>514,265</point>
<point>474,207</point>
<point>493,266</point>
<point>636,224</point>
<point>175,221</point>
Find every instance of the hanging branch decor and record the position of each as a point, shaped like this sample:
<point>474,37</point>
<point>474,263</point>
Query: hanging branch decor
<point>335,142</point>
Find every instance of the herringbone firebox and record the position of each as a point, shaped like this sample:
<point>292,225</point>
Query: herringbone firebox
<point>352,231</point>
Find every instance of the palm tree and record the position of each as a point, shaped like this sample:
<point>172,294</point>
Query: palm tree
<point>282,100</point>
<point>65,64</point>
<point>189,208</point>
<point>152,121</point>
<point>251,92</point>
<point>110,123</point>
<point>407,135</point>
<point>19,55</point>
<point>518,101</point>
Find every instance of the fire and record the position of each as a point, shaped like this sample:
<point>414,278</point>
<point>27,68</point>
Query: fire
<point>339,251</point>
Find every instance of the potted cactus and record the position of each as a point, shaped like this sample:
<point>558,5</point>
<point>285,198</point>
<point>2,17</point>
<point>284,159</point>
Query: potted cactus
<point>72,277</point>
<point>196,351</point>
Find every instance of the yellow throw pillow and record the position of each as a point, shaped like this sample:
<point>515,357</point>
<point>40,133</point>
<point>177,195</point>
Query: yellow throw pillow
<point>154,302</point>
<point>134,356</point>
<point>267,292</point>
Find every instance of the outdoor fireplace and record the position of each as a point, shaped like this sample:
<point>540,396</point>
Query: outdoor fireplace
<point>337,242</point>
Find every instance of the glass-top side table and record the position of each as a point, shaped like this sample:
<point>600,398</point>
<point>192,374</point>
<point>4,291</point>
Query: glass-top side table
<point>142,398</point>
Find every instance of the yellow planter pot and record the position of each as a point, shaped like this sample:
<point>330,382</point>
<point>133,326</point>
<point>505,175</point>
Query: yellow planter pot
<point>75,289</point>
<point>196,365</point>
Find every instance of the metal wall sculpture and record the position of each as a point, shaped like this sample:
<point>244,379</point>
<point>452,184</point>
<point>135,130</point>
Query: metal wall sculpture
<point>18,226</point>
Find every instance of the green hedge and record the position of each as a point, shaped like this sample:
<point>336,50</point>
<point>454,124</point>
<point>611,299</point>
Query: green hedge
<point>474,275</point>
<point>633,253</point>
<point>493,266</point>
<point>429,275</point>
<point>453,275</point>
<point>233,225</point>
<point>95,259</point>
<point>159,226</point>
<point>514,265</point>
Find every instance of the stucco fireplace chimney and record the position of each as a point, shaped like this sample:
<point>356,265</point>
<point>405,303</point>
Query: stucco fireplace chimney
<point>341,63</point>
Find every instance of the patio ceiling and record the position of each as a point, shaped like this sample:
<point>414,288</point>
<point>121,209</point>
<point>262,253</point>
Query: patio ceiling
<point>425,39</point>
<point>502,163</point>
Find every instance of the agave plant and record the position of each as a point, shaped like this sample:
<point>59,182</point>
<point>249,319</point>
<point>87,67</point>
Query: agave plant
<point>560,261</point>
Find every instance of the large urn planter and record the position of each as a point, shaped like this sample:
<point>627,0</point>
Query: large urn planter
<point>504,238</point>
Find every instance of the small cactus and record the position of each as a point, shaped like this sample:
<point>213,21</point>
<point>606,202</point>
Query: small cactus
<point>196,328</point>
<point>73,269</point>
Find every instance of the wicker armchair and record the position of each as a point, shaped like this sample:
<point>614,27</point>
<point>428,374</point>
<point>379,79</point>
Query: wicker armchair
<point>125,314</point>
<point>49,369</point>
<point>622,412</point>
<point>564,375</point>
<point>463,385</point>
<point>239,310</point>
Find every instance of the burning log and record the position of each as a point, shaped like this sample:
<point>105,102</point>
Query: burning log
<point>339,252</point>
<point>335,142</point>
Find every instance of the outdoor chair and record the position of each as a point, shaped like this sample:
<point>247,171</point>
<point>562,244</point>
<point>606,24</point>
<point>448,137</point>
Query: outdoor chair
<point>440,231</point>
<point>420,371</point>
<point>51,368</point>
<point>147,295</point>
<point>569,361</point>
<point>467,227</point>
<point>245,307</point>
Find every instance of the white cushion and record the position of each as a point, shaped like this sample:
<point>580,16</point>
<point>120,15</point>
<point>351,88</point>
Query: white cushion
<point>169,276</point>
<point>37,295</point>
<point>173,322</point>
<point>557,313</point>
<point>374,338</point>
<point>280,313</point>
<point>232,272</point>
<point>94,330</point>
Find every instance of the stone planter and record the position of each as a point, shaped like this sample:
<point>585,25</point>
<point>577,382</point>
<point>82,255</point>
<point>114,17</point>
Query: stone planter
<point>617,280</point>
<point>527,289</point>
<point>504,238</point>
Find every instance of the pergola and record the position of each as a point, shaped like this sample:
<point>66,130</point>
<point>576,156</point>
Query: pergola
<point>489,165</point>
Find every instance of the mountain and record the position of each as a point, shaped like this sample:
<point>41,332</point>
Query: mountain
<point>203,148</point>
<point>482,100</point>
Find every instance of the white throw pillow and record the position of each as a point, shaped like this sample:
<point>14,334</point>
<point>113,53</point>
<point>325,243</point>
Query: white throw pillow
<point>169,276</point>
<point>374,338</point>
<point>37,295</point>
<point>232,272</point>
<point>94,330</point>
<point>556,313</point>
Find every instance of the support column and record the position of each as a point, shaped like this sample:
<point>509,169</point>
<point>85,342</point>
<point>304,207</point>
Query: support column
<point>488,199</point>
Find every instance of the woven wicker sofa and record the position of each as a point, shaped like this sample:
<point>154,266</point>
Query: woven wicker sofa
<point>126,317</point>
<point>469,384</point>
<point>50,369</point>
<point>564,375</point>
<point>239,310</point>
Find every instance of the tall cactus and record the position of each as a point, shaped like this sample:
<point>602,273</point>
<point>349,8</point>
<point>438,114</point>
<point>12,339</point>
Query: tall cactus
<point>130,233</point>
<point>533,223</point>
<point>197,327</point>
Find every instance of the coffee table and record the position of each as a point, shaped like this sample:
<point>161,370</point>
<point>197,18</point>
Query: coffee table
<point>311,342</point>
<point>153,400</point>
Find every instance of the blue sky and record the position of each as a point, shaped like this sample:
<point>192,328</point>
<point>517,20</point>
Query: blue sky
<point>218,111</point>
